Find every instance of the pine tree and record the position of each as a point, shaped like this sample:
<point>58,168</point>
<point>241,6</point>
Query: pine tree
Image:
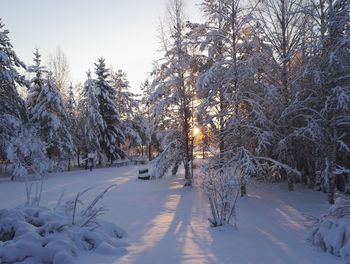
<point>146,113</point>
<point>71,110</point>
<point>112,135</point>
<point>47,113</point>
<point>19,140</point>
<point>128,107</point>
<point>91,123</point>
<point>12,108</point>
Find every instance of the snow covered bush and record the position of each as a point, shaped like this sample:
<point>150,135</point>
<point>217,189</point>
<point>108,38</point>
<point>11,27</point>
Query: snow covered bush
<point>332,231</point>
<point>28,153</point>
<point>221,185</point>
<point>42,235</point>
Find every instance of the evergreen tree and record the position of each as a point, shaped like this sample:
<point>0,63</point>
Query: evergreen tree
<point>19,140</point>
<point>47,113</point>
<point>12,108</point>
<point>91,123</point>
<point>112,135</point>
<point>71,105</point>
<point>71,110</point>
<point>128,107</point>
<point>146,114</point>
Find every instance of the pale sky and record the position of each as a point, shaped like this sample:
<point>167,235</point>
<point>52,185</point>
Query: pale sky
<point>123,31</point>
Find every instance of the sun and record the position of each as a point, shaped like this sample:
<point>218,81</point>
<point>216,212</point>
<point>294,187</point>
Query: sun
<point>196,131</point>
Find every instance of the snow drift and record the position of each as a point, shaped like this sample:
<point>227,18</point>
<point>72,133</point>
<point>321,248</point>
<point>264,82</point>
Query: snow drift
<point>41,235</point>
<point>332,232</point>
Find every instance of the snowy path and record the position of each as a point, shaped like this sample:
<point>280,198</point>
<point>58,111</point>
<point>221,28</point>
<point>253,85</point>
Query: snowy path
<point>166,223</point>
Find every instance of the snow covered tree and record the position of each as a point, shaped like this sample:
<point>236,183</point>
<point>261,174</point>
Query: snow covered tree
<point>228,85</point>
<point>46,111</point>
<point>128,108</point>
<point>112,135</point>
<point>18,138</point>
<point>71,110</point>
<point>146,112</point>
<point>172,93</point>
<point>71,104</point>
<point>240,102</point>
<point>220,84</point>
<point>90,122</point>
<point>284,24</point>
<point>323,114</point>
<point>12,107</point>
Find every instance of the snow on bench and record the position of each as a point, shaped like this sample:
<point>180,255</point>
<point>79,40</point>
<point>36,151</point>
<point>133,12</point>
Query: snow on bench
<point>143,175</point>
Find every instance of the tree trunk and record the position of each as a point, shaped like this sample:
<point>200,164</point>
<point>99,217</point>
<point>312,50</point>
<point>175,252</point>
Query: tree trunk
<point>69,164</point>
<point>290,185</point>
<point>221,123</point>
<point>331,190</point>
<point>331,176</point>
<point>78,158</point>
<point>150,152</point>
<point>243,189</point>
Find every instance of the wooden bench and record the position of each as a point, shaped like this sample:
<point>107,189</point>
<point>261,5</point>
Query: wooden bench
<point>143,175</point>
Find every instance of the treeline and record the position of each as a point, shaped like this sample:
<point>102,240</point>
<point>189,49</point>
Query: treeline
<point>49,127</point>
<point>268,83</point>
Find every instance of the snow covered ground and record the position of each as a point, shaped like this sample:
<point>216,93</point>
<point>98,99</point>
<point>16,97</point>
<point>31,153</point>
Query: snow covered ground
<point>167,223</point>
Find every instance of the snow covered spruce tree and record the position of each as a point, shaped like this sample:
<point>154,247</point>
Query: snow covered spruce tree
<point>112,135</point>
<point>132,123</point>
<point>12,108</point>
<point>90,120</point>
<point>46,111</point>
<point>146,113</point>
<point>71,110</point>
<point>173,95</point>
<point>19,140</point>
<point>71,105</point>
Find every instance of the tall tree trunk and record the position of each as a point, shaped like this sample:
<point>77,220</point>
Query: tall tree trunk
<point>285,55</point>
<point>187,158</point>
<point>222,126</point>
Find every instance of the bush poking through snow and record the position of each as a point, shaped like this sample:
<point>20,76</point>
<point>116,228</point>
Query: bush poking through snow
<point>221,186</point>
<point>332,232</point>
<point>40,235</point>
